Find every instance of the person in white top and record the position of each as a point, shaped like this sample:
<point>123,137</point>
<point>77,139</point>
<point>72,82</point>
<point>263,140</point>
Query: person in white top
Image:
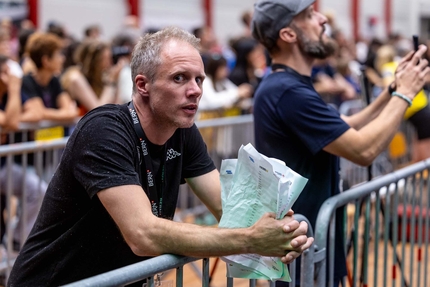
<point>218,91</point>
<point>221,98</point>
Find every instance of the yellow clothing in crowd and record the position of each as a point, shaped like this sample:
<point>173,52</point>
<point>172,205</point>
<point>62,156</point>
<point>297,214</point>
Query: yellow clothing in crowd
<point>420,100</point>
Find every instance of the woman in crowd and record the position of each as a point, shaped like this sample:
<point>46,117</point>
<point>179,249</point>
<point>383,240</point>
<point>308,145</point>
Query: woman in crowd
<point>15,175</point>
<point>93,81</point>
<point>418,114</point>
<point>250,62</point>
<point>221,98</point>
<point>219,93</point>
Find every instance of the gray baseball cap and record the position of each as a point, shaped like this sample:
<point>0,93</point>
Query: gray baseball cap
<point>270,16</point>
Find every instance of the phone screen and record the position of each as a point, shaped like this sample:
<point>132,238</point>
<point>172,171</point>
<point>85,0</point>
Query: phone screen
<point>415,40</point>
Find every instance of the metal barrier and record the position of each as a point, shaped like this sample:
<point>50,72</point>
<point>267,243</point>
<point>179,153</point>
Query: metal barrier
<point>223,136</point>
<point>28,186</point>
<point>149,269</point>
<point>389,245</point>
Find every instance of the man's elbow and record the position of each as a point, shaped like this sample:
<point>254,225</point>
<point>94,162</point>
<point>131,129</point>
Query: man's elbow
<point>365,158</point>
<point>142,244</point>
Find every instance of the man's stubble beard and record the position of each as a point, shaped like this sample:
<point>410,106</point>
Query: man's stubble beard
<point>315,49</point>
<point>167,119</point>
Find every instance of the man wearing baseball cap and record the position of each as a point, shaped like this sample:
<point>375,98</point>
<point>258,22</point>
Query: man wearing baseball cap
<point>294,124</point>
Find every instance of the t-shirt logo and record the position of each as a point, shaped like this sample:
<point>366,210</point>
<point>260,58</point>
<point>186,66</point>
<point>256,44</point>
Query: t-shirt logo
<point>171,154</point>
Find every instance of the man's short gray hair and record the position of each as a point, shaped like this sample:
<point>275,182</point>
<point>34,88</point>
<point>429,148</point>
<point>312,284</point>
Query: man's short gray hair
<point>146,59</point>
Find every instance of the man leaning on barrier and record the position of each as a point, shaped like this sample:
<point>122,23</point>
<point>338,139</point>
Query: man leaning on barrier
<point>112,198</point>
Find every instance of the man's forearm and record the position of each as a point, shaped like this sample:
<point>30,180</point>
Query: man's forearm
<point>369,113</point>
<point>13,107</point>
<point>378,133</point>
<point>192,240</point>
<point>58,115</point>
<point>267,237</point>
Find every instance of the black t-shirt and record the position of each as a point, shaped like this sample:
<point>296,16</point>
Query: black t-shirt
<point>74,237</point>
<point>49,94</point>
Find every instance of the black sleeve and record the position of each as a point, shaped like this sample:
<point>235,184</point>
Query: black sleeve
<point>56,87</point>
<point>104,153</point>
<point>55,90</point>
<point>196,158</point>
<point>28,89</point>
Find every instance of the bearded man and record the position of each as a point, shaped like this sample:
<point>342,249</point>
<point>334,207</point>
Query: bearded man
<point>294,124</point>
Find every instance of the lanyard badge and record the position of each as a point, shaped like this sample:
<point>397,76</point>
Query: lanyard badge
<point>155,194</point>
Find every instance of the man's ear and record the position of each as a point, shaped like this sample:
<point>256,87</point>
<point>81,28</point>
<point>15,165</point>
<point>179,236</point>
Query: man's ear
<point>288,35</point>
<point>142,85</point>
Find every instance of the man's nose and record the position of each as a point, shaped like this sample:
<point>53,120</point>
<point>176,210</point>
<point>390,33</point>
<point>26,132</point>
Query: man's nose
<point>194,89</point>
<point>322,18</point>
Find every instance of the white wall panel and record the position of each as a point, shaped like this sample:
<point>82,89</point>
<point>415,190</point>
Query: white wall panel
<point>76,15</point>
<point>406,16</point>
<point>424,8</point>
<point>342,14</point>
<point>227,17</point>
<point>187,14</point>
<point>372,9</point>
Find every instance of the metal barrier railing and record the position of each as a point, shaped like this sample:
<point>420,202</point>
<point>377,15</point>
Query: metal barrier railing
<point>396,219</point>
<point>19,180</point>
<point>149,269</point>
<point>223,137</point>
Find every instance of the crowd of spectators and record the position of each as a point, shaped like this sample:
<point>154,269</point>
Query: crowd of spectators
<point>94,72</point>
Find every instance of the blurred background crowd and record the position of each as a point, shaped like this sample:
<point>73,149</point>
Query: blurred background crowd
<point>63,77</point>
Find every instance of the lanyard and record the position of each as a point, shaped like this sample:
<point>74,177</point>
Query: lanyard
<point>155,195</point>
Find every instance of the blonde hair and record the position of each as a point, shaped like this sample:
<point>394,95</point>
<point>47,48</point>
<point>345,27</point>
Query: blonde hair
<point>145,58</point>
<point>88,56</point>
<point>384,55</point>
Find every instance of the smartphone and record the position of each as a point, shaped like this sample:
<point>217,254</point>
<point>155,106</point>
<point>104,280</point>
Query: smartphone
<point>415,40</point>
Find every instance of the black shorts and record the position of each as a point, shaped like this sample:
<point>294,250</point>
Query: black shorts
<point>421,121</point>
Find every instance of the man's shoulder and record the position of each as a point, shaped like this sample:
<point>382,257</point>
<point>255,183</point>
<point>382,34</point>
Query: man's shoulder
<point>104,114</point>
<point>104,124</point>
<point>278,84</point>
<point>286,80</point>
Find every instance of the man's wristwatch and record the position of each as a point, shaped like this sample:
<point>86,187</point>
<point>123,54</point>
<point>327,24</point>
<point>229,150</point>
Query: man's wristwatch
<point>392,88</point>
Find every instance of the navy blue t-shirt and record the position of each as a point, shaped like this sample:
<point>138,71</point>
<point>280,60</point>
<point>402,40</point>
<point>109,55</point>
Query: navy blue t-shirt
<point>293,124</point>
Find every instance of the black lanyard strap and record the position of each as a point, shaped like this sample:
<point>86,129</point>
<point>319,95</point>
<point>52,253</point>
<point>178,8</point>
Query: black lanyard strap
<point>155,194</point>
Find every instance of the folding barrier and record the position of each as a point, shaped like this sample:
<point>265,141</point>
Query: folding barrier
<point>26,184</point>
<point>387,243</point>
<point>149,269</point>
